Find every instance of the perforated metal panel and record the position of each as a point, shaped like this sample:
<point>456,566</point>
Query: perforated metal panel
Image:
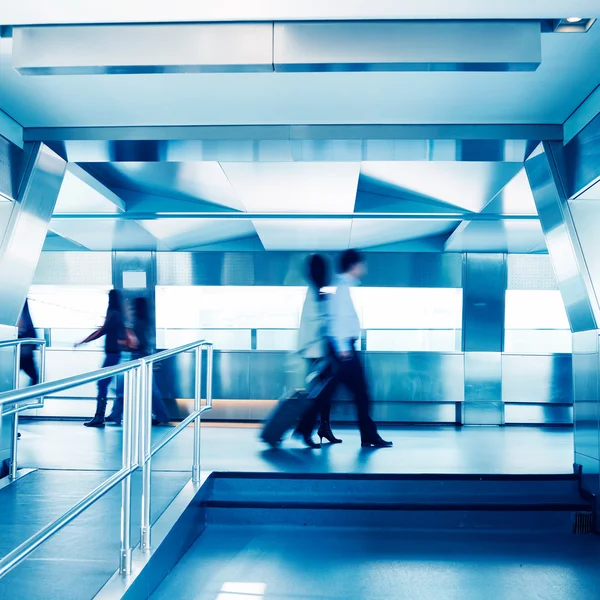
<point>531,272</point>
<point>74,268</point>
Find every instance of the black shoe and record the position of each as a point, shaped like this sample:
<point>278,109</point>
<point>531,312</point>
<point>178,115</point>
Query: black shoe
<point>112,419</point>
<point>376,442</point>
<point>18,435</point>
<point>95,422</point>
<point>325,432</point>
<point>307,439</point>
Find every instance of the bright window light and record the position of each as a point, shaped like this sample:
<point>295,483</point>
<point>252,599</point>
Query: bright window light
<point>535,309</point>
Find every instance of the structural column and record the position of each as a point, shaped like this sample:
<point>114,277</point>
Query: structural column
<point>484,290</point>
<point>29,192</point>
<point>571,224</point>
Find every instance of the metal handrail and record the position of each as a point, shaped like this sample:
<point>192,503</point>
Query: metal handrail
<point>14,448</point>
<point>147,450</point>
<point>137,403</point>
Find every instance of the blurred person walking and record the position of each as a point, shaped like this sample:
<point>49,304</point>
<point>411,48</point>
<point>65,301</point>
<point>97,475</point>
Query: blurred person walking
<point>143,346</point>
<point>344,330</point>
<point>315,349</point>
<point>113,330</point>
<point>27,330</point>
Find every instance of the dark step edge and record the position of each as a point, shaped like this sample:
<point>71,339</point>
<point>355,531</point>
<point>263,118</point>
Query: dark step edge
<point>393,476</point>
<point>398,506</point>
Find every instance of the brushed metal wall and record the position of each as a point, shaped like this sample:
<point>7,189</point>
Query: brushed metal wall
<point>406,386</point>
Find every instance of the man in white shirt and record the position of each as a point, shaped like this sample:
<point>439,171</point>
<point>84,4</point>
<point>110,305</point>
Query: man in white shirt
<point>344,331</point>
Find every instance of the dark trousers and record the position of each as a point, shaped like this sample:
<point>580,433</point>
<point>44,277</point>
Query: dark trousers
<point>321,405</point>
<point>27,365</point>
<point>159,410</point>
<point>110,361</point>
<point>351,373</point>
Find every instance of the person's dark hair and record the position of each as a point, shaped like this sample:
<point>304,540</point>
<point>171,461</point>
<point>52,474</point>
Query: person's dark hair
<point>114,301</point>
<point>318,271</point>
<point>349,259</point>
<point>141,308</point>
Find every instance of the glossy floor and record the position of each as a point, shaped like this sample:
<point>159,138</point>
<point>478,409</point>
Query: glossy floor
<point>228,563</point>
<point>510,450</point>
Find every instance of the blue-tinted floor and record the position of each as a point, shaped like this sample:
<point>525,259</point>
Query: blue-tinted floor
<point>417,449</point>
<point>228,563</point>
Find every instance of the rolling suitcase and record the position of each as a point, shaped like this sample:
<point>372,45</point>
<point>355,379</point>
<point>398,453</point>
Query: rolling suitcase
<point>290,410</point>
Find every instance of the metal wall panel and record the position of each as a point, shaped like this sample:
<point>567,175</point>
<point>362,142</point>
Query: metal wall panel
<point>483,389</point>
<point>586,378</point>
<point>287,268</point>
<point>537,379</point>
<point>538,414</point>
<point>416,377</point>
<point>74,268</point>
<point>530,272</point>
<point>484,302</point>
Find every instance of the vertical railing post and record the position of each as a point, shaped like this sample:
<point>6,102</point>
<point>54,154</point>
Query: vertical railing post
<point>197,409</point>
<point>209,375</point>
<point>131,391</point>
<point>146,459</point>
<point>14,447</point>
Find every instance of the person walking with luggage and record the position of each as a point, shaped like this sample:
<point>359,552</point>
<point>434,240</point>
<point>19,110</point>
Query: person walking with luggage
<point>143,336</point>
<point>344,330</point>
<point>315,350</point>
<point>114,332</point>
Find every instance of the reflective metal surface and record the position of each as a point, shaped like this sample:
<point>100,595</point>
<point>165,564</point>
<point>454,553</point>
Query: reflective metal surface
<point>13,161</point>
<point>530,272</point>
<point>564,247</point>
<point>534,379</point>
<point>348,147</point>
<point>407,46</point>
<point>483,389</point>
<point>582,159</point>
<point>483,302</point>
<point>26,229</point>
<point>74,268</point>
<point>120,49</point>
<point>286,268</point>
<point>283,47</point>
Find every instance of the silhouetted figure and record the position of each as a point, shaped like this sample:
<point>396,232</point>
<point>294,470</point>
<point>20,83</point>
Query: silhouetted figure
<point>314,347</point>
<point>143,335</point>
<point>114,332</point>
<point>344,330</point>
<point>27,330</point>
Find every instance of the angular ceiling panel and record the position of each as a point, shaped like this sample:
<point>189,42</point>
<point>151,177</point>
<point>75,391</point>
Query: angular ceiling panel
<point>497,236</point>
<point>183,234</point>
<point>307,234</point>
<point>295,187</point>
<point>515,198</point>
<point>192,181</point>
<point>103,235</point>
<point>78,196</point>
<point>376,232</point>
<point>467,185</point>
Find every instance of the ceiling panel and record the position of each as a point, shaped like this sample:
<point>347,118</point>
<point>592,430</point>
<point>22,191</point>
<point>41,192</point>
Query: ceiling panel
<point>76,196</point>
<point>569,72</point>
<point>497,236</point>
<point>307,234</point>
<point>295,187</point>
<point>366,232</point>
<point>191,181</point>
<point>101,235</point>
<point>183,234</point>
<point>515,198</point>
<point>592,193</point>
<point>467,185</point>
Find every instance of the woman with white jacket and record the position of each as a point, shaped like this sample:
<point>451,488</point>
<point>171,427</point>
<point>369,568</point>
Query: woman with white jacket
<point>313,346</point>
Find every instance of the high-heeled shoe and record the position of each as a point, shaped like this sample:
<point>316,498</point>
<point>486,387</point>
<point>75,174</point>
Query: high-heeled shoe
<point>325,432</point>
<point>307,439</point>
<point>377,442</point>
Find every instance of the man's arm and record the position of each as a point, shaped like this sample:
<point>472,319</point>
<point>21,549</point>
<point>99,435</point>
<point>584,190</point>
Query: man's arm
<point>337,321</point>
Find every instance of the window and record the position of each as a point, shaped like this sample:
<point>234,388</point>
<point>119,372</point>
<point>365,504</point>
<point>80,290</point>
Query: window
<point>536,322</point>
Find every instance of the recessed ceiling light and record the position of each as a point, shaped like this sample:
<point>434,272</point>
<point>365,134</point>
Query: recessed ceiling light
<point>574,19</point>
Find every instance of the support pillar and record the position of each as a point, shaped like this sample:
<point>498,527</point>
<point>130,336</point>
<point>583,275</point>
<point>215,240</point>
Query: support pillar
<point>484,291</point>
<point>36,175</point>
<point>571,227</point>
